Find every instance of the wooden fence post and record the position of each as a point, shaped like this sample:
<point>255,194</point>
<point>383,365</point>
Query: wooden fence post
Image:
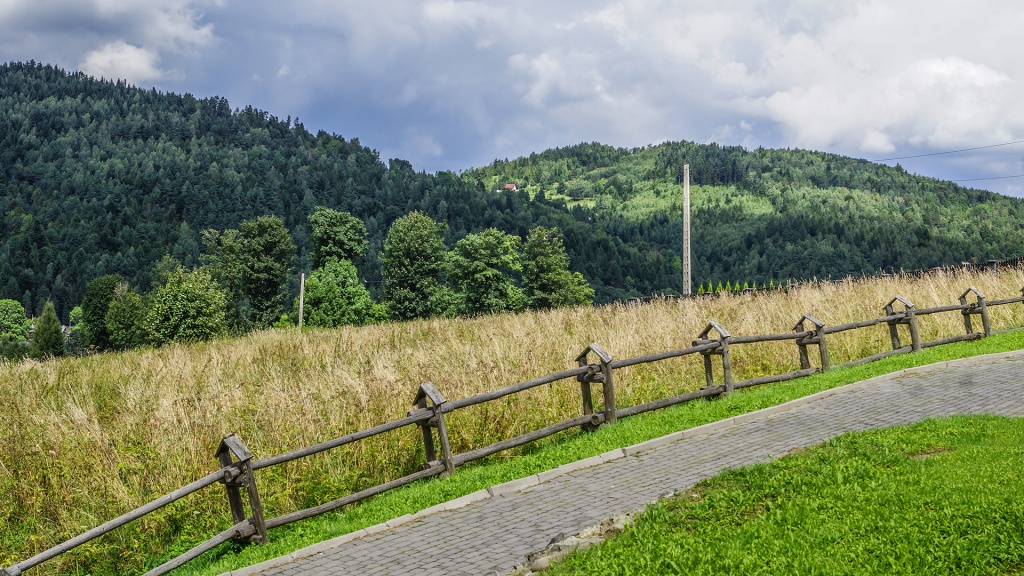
<point>428,391</point>
<point>722,350</point>
<point>818,337</point>
<point>908,318</point>
<point>978,307</point>
<point>241,476</point>
<point>601,373</point>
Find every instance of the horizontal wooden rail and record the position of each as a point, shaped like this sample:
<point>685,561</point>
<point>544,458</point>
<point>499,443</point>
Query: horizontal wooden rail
<point>952,339</point>
<point>209,479</point>
<point>433,469</point>
<point>671,401</point>
<point>862,324</point>
<point>768,337</point>
<point>415,417</point>
<point>880,355</point>
<point>771,379</point>
<point>237,465</point>
<point>664,355</point>
<point>240,530</point>
<point>501,392</point>
<point>1006,301</point>
<point>592,419</point>
<point>939,309</point>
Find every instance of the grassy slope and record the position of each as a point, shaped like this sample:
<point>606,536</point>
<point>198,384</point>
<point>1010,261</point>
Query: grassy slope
<point>574,446</point>
<point>83,440</point>
<point>938,497</point>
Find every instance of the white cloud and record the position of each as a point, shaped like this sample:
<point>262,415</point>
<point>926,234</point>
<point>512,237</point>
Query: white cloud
<point>120,60</point>
<point>471,80</point>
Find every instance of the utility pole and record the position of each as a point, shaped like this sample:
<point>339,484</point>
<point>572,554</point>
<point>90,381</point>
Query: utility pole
<point>686,230</point>
<point>302,294</point>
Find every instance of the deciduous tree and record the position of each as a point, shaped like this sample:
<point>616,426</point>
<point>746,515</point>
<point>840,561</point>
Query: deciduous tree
<point>337,235</point>
<point>412,263</point>
<point>481,268</point>
<point>547,280</point>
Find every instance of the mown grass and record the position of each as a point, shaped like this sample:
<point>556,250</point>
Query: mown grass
<point>574,446</point>
<point>938,497</point>
<point>84,440</point>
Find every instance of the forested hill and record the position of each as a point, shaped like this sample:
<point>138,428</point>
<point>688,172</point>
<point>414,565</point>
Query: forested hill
<point>100,177</point>
<point>772,214</point>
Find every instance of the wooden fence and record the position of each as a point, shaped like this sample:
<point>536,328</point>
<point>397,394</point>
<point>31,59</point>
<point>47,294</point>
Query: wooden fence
<point>595,366</point>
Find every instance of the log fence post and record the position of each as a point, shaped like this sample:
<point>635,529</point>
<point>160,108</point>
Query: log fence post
<point>978,307</point>
<point>908,318</point>
<point>722,350</point>
<point>427,391</point>
<point>238,474</point>
<point>818,337</point>
<point>601,372</point>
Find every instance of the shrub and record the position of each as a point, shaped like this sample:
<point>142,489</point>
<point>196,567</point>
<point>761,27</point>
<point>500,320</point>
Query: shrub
<point>188,308</point>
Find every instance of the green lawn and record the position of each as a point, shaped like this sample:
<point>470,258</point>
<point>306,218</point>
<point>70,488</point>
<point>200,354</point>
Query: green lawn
<point>939,497</point>
<point>569,447</point>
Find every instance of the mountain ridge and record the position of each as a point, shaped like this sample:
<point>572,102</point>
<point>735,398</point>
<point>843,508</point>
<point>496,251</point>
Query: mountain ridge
<point>99,177</point>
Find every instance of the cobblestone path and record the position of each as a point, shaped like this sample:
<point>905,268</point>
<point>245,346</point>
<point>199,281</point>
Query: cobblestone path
<point>495,534</point>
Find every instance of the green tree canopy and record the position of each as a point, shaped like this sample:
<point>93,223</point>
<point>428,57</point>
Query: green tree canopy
<point>412,262</point>
<point>98,295</point>
<point>334,297</point>
<point>48,340</point>
<point>481,268</point>
<point>189,307</point>
<point>125,319</point>
<point>547,281</point>
<point>253,262</point>
<point>13,323</point>
<point>335,234</point>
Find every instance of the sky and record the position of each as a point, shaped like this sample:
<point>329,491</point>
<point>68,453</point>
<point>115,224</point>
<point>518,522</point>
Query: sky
<point>453,84</point>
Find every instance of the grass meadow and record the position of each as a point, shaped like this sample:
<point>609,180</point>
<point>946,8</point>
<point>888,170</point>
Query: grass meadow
<point>938,497</point>
<point>85,439</point>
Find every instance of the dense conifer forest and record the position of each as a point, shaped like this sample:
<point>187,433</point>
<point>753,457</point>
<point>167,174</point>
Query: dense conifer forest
<point>99,177</point>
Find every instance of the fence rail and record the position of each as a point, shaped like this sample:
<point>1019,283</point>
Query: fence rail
<point>595,366</point>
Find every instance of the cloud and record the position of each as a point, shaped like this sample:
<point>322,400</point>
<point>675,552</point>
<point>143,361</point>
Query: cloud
<point>120,60</point>
<point>113,38</point>
<point>455,83</point>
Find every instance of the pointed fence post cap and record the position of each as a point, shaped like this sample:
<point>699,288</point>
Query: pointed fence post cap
<point>977,294</point>
<point>818,324</point>
<point>906,303</point>
<point>429,391</point>
<point>596,349</point>
<point>714,325</point>
<point>233,445</point>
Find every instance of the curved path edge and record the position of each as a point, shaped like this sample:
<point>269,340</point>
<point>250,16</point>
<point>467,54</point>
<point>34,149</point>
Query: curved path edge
<point>290,563</point>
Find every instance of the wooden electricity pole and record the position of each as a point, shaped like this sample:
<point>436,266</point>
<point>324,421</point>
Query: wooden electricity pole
<point>686,230</point>
<point>302,295</point>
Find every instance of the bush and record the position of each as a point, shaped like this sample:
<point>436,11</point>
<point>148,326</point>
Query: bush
<point>334,297</point>
<point>13,323</point>
<point>188,308</point>
<point>125,318</point>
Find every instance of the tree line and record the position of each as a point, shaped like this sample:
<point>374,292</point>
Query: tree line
<point>103,178</point>
<point>242,285</point>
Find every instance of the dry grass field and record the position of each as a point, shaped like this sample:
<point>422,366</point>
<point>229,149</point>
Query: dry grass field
<point>85,439</point>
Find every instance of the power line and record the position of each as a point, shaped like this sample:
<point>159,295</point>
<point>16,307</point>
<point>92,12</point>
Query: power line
<point>951,152</point>
<point>989,178</point>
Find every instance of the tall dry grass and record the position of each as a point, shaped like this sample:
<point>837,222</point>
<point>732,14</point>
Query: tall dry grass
<point>83,440</point>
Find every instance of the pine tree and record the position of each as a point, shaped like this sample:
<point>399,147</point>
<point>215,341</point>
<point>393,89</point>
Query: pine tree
<point>48,340</point>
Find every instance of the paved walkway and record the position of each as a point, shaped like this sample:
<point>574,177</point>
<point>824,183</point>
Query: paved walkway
<point>495,534</point>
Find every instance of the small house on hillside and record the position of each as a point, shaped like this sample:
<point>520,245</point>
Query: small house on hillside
<point>511,187</point>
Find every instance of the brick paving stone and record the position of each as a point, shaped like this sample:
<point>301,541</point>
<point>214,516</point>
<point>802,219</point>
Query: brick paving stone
<point>496,534</point>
